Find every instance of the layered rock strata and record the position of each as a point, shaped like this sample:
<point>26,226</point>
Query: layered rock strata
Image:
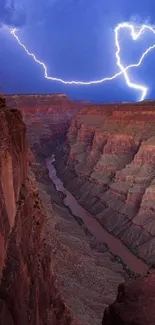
<point>110,160</point>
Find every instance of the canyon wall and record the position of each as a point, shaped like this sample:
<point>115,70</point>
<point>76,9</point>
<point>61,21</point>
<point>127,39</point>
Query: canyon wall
<point>28,290</point>
<point>110,159</point>
<point>47,118</point>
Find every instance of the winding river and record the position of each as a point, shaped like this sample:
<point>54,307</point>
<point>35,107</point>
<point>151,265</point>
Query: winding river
<point>115,245</point>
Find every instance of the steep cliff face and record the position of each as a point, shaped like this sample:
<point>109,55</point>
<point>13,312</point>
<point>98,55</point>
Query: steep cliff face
<point>28,291</point>
<point>13,170</point>
<point>110,154</point>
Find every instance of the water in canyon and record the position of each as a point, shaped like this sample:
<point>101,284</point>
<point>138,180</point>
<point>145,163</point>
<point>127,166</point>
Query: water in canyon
<point>95,228</point>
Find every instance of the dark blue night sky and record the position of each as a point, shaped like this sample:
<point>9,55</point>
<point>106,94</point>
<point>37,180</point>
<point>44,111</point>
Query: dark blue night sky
<point>75,38</point>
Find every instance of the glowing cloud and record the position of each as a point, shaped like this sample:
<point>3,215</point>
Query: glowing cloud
<point>123,70</point>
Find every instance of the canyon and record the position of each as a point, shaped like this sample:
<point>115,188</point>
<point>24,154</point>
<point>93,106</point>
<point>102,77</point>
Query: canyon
<point>104,158</point>
<point>109,154</point>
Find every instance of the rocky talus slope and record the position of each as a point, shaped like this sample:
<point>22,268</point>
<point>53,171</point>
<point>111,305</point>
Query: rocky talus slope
<point>110,158</point>
<point>28,289</point>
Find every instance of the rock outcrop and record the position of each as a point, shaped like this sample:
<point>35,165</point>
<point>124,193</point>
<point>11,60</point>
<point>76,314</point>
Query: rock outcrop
<point>134,304</point>
<point>28,290</point>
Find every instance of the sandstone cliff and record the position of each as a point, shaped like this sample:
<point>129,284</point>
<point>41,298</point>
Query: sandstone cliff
<point>28,290</point>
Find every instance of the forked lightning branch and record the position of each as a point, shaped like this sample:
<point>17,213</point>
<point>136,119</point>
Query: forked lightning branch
<point>122,69</point>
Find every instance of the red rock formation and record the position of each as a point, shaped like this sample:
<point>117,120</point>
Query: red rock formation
<point>28,290</point>
<point>134,304</point>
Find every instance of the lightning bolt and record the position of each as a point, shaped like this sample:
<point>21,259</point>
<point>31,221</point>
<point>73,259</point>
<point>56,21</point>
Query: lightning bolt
<point>123,70</point>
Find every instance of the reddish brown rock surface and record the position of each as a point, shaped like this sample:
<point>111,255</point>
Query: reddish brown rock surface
<point>134,304</point>
<point>28,290</point>
<point>13,171</point>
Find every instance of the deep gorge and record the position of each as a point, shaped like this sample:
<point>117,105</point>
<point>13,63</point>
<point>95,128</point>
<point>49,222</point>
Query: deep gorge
<point>105,157</point>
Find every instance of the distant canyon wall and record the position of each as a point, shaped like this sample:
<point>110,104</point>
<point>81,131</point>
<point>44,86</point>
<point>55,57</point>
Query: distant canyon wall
<point>47,118</point>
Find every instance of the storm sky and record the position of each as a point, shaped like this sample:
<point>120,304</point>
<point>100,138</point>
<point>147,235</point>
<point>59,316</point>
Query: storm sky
<point>75,38</point>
